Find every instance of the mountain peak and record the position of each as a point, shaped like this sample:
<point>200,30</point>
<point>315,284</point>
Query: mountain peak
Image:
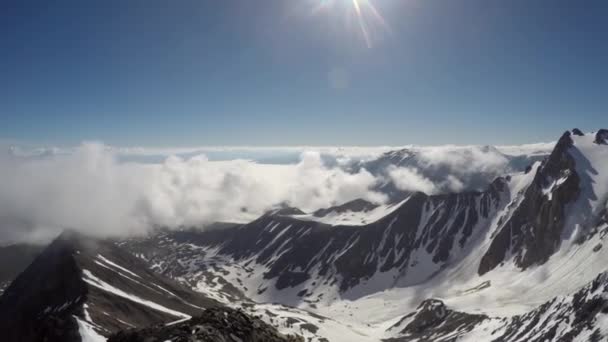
<point>601,137</point>
<point>79,281</point>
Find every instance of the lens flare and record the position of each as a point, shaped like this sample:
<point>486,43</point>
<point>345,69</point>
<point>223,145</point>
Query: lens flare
<point>369,24</point>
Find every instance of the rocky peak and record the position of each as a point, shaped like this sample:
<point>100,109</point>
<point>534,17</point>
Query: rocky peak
<point>601,137</point>
<point>79,280</point>
<point>534,231</point>
<point>357,205</point>
<point>433,320</point>
<point>578,132</point>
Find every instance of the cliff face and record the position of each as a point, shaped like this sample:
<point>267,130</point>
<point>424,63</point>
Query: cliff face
<point>534,231</point>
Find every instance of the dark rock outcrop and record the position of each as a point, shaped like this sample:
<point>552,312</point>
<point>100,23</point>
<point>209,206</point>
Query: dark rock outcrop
<point>15,258</point>
<point>433,320</point>
<point>578,132</point>
<point>358,205</point>
<point>534,231</point>
<point>77,278</point>
<point>217,324</point>
<point>601,137</point>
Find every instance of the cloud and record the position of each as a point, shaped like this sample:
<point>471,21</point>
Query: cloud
<point>410,179</point>
<point>90,190</point>
<point>95,188</point>
<point>441,169</point>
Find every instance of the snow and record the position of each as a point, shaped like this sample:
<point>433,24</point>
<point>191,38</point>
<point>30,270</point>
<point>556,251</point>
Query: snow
<point>94,281</point>
<point>592,166</point>
<point>87,332</point>
<point>365,312</point>
<point>353,218</point>
<point>101,257</point>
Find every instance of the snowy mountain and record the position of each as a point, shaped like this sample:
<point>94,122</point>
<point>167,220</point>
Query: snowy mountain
<point>78,286</point>
<point>493,259</point>
<point>520,260</point>
<point>447,169</point>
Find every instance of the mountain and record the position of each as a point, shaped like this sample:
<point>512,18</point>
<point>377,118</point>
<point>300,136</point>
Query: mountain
<point>487,265</point>
<point>449,168</point>
<point>15,259</point>
<point>79,286</point>
<point>519,259</point>
<point>215,324</point>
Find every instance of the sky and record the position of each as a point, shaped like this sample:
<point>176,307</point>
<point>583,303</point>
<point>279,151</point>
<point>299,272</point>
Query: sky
<point>301,72</point>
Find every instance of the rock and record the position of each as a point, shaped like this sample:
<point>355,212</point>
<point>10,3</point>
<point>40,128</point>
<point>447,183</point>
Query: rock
<point>218,324</point>
<point>578,132</point>
<point>358,205</point>
<point>433,320</point>
<point>601,137</point>
<point>537,215</point>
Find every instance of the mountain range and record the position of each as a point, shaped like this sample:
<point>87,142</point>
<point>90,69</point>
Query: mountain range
<point>511,257</point>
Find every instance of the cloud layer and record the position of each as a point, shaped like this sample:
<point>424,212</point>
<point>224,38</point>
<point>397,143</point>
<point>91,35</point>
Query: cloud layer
<point>91,191</point>
<point>95,189</point>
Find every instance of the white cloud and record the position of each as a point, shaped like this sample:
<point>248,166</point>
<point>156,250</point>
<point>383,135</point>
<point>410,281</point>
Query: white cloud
<point>90,191</point>
<point>451,168</point>
<point>95,189</point>
<point>409,179</point>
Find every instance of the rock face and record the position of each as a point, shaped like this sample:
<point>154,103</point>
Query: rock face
<point>217,324</point>
<point>533,233</point>
<point>433,321</point>
<point>563,318</point>
<point>413,249</point>
<point>78,281</point>
<point>358,205</point>
<point>601,137</point>
<point>296,251</point>
<point>17,258</point>
<point>578,132</point>
<point>573,317</point>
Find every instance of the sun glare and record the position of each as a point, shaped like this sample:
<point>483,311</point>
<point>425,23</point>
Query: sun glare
<point>360,17</point>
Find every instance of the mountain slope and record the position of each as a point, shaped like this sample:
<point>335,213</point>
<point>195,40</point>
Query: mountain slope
<point>411,241</point>
<point>522,260</point>
<point>496,260</point>
<point>78,285</point>
<point>564,202</point>
<point>16,258</point>
<point>213,325</point>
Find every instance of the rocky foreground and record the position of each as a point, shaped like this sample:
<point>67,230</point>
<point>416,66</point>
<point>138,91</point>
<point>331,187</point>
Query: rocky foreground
<point>217,324</point>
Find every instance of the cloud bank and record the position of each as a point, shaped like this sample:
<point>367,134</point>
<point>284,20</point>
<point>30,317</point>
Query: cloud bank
<point>89,190</point>
<point>96,189</point>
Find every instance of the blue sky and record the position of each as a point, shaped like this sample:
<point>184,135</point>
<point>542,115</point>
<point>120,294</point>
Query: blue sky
<point>270,72</point>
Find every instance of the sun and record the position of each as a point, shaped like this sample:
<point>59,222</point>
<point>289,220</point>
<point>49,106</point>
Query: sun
<point>358,16</point>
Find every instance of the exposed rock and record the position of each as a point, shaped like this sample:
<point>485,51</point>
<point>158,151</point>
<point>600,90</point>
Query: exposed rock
<point>358,205</point>
<point>533,233</point>
<point>601,137</point>
<point>432,320</point>
<point>217,324</point>
<point>293,249</point>
<point>578,132</point>
<point>75,274</point>
<point>563,318</point>
<point>288,211</point>
<point>19,256</point>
